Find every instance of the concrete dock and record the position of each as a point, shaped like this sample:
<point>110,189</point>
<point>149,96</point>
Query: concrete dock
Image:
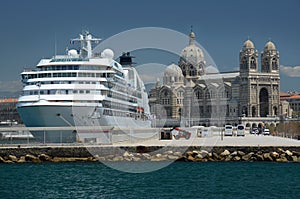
<point>247,140</point>
<point>248,148</point>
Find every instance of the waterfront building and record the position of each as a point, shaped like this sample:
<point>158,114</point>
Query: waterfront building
<point>293,99</point>
<point>189,95</point>
<point>8,111</point>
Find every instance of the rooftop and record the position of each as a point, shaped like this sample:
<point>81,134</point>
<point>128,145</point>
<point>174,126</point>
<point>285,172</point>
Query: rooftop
<point>9,100</point>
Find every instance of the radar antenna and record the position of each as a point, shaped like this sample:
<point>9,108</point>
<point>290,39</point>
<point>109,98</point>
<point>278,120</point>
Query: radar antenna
<point>86,40</point>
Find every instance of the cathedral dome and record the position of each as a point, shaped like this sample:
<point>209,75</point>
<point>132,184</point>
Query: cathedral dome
<point>173,75</point>
<point>248,44</point>
<point>269,46</point>
<point>173,71</point>
<point>192,53</point>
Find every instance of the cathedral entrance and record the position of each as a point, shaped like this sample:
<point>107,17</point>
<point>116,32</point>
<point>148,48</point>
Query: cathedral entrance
<point>264,102</point>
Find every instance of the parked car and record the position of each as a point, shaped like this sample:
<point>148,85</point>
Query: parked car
<point>266,132</point>
<point>228,130</point>
<point>181,133</point>
<point>240,130</point>
<point>254,131</point>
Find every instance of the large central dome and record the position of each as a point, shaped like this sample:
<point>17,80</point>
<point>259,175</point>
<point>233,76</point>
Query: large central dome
<point>192,53</point>
<point>192,61</point>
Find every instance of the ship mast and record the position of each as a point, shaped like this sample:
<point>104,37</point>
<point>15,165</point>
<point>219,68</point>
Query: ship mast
<point>86,40</point>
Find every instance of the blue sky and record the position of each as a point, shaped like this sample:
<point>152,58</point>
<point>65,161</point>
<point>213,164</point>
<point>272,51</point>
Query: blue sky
<point>29,29</point>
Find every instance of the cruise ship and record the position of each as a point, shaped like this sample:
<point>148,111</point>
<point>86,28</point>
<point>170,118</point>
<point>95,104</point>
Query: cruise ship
<point>83,88</point>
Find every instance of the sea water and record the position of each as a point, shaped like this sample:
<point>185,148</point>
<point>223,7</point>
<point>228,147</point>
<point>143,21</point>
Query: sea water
<point>178,180</point>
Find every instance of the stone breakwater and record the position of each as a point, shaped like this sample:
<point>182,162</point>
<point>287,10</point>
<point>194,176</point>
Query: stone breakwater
<point>148,153</point>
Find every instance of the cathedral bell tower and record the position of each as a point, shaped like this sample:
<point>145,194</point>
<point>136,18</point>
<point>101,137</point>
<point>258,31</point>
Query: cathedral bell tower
<point>248,58</point>
<point>270,59</point>
<point>248,68</point>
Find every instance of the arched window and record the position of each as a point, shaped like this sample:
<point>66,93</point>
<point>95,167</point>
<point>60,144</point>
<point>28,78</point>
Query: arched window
<point>252,63</point>
<point>274,64</point>
<point>267,65</point>
<point>207,94</point>
<point>180,94</point>
<point>192,73</point>
<point>199,94</point>
<point>245,63</point>
<point>227,94</point>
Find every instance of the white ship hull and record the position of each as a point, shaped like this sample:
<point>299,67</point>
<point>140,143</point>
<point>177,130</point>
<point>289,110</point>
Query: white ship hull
<point>65,116</point>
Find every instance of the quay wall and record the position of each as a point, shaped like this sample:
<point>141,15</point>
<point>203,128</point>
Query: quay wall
<point>148,153</point>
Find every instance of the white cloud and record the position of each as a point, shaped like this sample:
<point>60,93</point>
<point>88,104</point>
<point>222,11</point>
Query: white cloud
<point>290,71</point>
<point>151,71</point>
<point>150,78</point>
<point>211,69</point>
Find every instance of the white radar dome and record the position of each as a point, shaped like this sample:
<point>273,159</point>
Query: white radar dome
<point>107,53</point>
<point>72,53</point>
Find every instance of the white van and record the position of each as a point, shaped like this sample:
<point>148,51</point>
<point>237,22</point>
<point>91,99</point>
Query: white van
<point>240,130</point>
<point>228,130</point>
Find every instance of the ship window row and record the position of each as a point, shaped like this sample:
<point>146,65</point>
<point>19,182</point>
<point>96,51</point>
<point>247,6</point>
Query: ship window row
<point>61,92</point>
<point>120,81</point>
<point>119,106</point>
<point>60,67</point>
<point>78,101</point>
<point>120,96</point>
<point>124,89</point>
<point>106,75</point>
<point>72,67</point>
<point>80,91</point>
<point>109,85</point>
<point>87,67</point>
<point>111,112</point>
<point>119,87</point>
<point>70,74</point>
<point>63,82</point>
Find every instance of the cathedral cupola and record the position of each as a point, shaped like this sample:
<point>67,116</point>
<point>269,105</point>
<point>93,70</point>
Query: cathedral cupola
<point>192,62</point>
<point>270,58</point>
<point>248,57</point>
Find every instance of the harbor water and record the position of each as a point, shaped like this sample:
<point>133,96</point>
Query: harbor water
<point>178,180</point>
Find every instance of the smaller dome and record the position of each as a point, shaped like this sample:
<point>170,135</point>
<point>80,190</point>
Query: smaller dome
<point>173,71</point>
<point>248,44</point>
<point>269,46</point>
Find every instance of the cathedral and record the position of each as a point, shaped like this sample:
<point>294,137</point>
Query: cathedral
<point>191,96</point>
